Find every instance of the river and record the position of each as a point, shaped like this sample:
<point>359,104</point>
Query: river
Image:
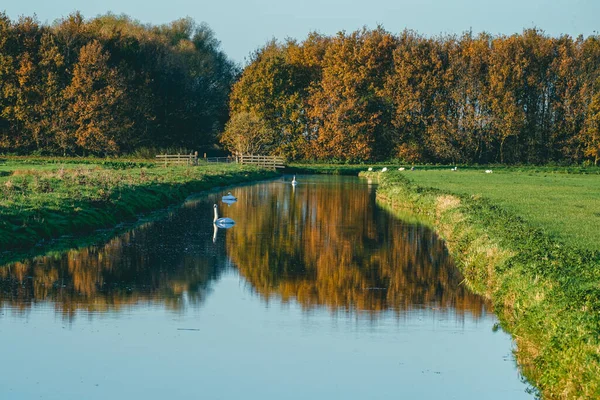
<point>317,292</point>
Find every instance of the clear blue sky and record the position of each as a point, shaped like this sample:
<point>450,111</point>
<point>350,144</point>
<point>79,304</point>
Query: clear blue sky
<point>244,25</point>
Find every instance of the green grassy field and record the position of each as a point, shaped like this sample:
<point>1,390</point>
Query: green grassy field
<point>565,206</point>
<point>44,199</point>
<point>528,240</point>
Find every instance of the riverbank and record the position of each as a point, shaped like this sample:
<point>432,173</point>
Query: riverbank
<point>544,290</point>
<point>42,201</point>
<point>324,169</point>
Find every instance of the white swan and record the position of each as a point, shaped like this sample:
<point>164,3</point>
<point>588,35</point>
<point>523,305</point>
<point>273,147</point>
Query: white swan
<point>222,222</point>
<point>454,169</point>
<point>370,169</point>
<point>488,171</point>
<point>401,169</point>
<point>384,169</point>
<point>229,197</point>
<point>294,181</point>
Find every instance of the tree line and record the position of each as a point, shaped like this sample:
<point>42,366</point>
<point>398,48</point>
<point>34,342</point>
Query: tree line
<point>110,85</point>
<point>371,95</point>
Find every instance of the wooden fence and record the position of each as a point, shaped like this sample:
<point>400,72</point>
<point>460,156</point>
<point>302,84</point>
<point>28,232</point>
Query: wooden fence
<point>219,159</point>
<point>187,159</point>
<point>192,159</point>
<point>262,161</point>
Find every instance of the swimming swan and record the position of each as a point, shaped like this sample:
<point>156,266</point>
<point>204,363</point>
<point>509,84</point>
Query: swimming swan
<point>229,197</point>
<point>294,181</point>
<point>222,222</point>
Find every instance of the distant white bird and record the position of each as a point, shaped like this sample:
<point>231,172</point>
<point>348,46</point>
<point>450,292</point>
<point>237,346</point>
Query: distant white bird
<point>229,198</point>
<point>370,169</point>
<point>412,168</point>
<point>222,222</point>
<point>294,182</point>
<point>454,169</point>
<point>384,169</point>
<point>401,169</point>
<point>488,171</point>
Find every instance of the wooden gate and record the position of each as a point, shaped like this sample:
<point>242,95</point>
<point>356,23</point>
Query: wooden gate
<point>262,161</point>
<point>187,159</point>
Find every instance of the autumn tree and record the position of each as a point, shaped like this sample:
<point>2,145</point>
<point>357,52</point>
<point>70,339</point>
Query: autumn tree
<point>97,102</point>
<point>46,126</point>
<point>7,81</point>
<point>349,110</point>
<point>22,88</point>
<point>466,126</point>
<point>168,85</point>
<point>413,88</point>
<point>567,106</point>
<point>591,131</point>
<point>506,74</point>
<point>590,92</point>
<point>247,133</point>
<point>275,87</point>
<point>111,84</point>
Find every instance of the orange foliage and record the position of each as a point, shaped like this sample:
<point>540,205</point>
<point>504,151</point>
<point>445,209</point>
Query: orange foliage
<point>372,95</point>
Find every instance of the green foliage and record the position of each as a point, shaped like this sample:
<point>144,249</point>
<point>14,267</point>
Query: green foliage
<point>246,133</point>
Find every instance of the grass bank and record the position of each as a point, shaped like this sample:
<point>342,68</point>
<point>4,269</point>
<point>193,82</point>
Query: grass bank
<point>325,169</point>
<point>565,206</point>
<point>544,284</point>
<point>41,201</point>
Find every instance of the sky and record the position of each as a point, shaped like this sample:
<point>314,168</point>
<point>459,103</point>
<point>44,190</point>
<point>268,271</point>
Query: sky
<point>243,26</point>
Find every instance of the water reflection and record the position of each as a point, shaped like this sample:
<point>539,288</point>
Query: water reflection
<point>170,262</point>
<point>185,309</point>
<point>327,243</point>
<point>323,243</point>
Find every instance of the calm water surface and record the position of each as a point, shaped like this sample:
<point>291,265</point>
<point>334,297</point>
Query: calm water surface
<point>316,293</point>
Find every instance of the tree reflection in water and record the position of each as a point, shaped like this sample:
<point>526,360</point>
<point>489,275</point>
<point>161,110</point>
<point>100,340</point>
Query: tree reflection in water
<point>172,261</point>
<point>330,244</point>
<point>324,243</point>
